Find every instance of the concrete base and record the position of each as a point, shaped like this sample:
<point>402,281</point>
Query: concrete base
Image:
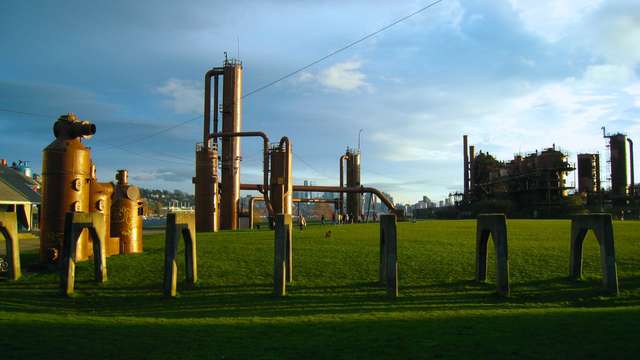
<point>283,257</point>
<point>496,226</point>
<point>74,224</point>
<point>179,224</point>
<point>602,227</point>
<point>9,229</point>
<point>388,269</point>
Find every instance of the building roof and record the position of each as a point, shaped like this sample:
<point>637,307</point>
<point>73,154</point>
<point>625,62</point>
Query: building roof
<point>17,188</point>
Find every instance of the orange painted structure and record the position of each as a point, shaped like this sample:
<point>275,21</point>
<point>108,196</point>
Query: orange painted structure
<point>66,178</point>
<point>100,202</point>
<point>231,123</point>
<point>126,215</point>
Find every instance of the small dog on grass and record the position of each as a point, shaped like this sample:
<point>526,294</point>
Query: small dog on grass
<point>327,234</point>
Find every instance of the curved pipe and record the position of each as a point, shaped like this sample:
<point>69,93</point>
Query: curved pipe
<point>265,150</point>
<point>207,104</point>
<point>338,189</point>
<point>632,172</point>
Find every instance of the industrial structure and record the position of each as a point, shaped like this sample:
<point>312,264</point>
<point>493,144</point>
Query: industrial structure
<point>539,177</point>
<point>217,197</point>
<point>69,184</point>
<point>536,183</point>
<point>126,215</point>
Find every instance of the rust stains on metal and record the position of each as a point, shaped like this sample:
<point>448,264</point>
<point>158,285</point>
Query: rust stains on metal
<point>66,177</point>
<point>126,215</point>
<point>231,123</point>
<point>100,202</point>
<point>354,199</point>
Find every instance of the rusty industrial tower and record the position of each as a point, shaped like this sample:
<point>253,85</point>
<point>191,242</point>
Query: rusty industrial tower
<point>208,203</point>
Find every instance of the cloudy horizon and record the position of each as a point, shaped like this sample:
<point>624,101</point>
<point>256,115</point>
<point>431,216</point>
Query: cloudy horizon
<point>515,75</point>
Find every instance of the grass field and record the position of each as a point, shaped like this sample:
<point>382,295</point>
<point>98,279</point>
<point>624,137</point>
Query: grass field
<point>334,308</point>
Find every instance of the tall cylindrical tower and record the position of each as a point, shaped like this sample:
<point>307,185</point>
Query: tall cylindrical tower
<point>618,148</point>
<point>354,200</point>
<point>231,122</point>
<point>66,177</point>
<point>206,184</point>
<point>588,173</point>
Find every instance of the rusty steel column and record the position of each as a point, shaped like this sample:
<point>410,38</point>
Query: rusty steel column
<point>231,123</point>
<point>343,159</point>
<point>354,200</point>
<point>206,179</point>
<point>472,158</point>
<point>632,179</point>
<point>465,149</point>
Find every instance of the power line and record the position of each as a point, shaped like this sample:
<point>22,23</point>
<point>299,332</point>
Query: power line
<point>351,44</point>
<point>27,113</point>
<point>161,131</point>
<point>309,165</point>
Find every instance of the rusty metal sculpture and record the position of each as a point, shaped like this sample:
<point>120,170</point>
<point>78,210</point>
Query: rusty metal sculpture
<point>74,225</point>
<point>126,215</point>
<point>66,176</point>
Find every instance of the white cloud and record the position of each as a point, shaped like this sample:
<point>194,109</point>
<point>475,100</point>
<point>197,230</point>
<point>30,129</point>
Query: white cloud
<point>551,19</point>
<point>185,95</point>
<point>344,76</point>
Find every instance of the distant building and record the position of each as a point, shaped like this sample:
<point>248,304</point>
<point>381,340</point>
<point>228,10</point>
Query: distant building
<point>19,192</point>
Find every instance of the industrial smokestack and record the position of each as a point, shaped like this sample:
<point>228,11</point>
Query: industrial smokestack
<point>472,159</point>
<point>465,147</point>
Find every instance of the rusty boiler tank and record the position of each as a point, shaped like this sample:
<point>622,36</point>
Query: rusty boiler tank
<point>66,177</point>
<point>100,202</point>
<point>126,215</point>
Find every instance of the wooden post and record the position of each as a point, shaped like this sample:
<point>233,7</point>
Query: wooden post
<point>179,224</point>
<point>9,228</point>
<point>602,226</point>
<point>389,254</point>
<point>74,224</point>
<point>496,226</point>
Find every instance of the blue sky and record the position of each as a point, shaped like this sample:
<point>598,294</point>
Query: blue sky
<point>516,75</point>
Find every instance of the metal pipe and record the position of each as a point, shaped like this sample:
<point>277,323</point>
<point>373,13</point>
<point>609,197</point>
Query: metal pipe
<point>215,107</point>
<point>265,150</point>
<point>465,149</point>
<point>632,172</point>
<point>336,189</point>
<point>207,103</point>
<point>343,158</point>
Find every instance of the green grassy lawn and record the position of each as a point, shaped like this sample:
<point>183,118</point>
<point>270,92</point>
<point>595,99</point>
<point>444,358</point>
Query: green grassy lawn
<point>335,308</point>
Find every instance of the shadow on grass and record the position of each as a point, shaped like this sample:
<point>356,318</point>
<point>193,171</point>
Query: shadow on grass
<point>257,299</point>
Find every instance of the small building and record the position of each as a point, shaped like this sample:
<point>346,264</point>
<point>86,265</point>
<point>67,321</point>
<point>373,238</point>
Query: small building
<point>19,193</point>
